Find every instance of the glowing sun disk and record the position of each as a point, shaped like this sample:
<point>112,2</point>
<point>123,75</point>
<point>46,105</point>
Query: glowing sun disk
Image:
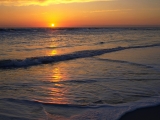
<point>52,25</point>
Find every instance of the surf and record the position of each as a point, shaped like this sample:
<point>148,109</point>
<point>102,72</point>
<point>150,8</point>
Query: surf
<point>32,61</point>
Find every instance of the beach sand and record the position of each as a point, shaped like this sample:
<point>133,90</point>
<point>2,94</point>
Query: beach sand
<point>148,113</point>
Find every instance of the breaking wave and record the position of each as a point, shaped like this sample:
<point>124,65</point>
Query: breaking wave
<point>32,61</point>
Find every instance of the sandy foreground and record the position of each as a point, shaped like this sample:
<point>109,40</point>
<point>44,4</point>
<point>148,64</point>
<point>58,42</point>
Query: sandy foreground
<point>148,113</point>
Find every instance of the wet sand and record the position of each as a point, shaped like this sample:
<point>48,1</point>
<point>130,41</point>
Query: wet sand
<point>148,113</point>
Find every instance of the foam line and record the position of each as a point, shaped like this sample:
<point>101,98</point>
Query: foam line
<point>39,103</point>
<point>18,63</point>
<point>125,62</point>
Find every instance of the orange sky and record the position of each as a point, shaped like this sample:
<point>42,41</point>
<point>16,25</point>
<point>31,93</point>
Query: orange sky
<point>79,13</point>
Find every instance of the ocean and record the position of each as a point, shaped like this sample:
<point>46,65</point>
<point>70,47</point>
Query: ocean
<point>78,73</point>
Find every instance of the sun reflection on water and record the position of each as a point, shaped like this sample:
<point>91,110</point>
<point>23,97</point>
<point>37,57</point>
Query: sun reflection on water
<point>58,92</point>
<point>53,52</point>
<point>57,76</point>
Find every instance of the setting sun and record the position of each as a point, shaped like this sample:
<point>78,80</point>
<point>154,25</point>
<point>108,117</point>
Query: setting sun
<point>52,25</point>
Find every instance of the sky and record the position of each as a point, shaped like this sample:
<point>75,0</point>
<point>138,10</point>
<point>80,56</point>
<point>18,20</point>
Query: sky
<point>79,13</point>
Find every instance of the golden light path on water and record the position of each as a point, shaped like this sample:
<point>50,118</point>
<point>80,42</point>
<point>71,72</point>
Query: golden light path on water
<point>54,52</point>
<point>57,93</point>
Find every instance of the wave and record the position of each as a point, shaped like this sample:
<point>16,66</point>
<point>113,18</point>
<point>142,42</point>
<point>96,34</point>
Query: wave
<point>31,110</point>
<point>40,103</point>
<point>34,110</point>
<point>79,81</point>
<point>18,109</point>
<point>125,62</point>
<point>32,61</point>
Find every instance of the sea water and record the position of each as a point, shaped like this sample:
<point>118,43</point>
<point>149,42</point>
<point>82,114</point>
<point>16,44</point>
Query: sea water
<point>78,73</point>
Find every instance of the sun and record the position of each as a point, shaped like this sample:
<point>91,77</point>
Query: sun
<point>52,25</point>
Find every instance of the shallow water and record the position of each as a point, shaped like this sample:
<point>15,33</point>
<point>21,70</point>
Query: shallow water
<point>78,73</point>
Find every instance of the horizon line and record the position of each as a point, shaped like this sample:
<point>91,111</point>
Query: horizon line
<point>89,26</point>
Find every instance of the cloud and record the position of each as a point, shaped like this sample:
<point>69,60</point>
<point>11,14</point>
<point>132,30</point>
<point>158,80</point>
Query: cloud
<point>40,2</point>
<point>114,10</point>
